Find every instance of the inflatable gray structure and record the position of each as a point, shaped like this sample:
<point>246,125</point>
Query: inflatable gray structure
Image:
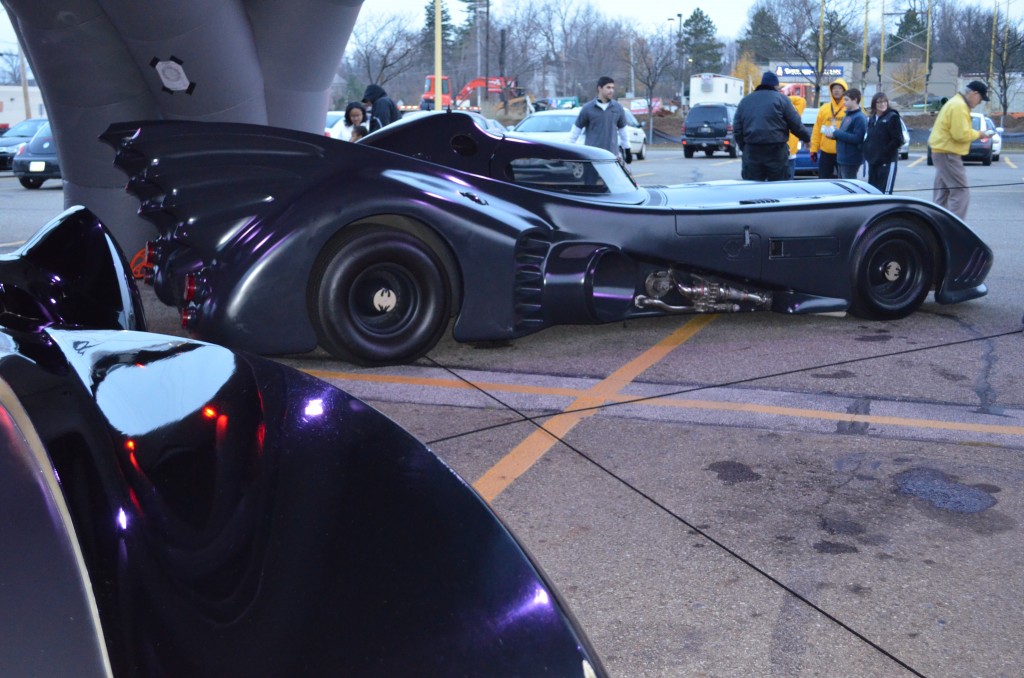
<point>268,62</point>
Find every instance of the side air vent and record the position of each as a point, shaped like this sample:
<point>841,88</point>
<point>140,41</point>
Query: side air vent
<point>531,252</point>
<point>759,201</point>
<point>975,269</point>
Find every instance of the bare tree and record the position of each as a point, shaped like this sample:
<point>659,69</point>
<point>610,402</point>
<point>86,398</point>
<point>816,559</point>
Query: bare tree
<point>10,68</point>
<point>652,58</point>
<point>384,46</point>
<point>799,23</point>
<point>1007,62</point>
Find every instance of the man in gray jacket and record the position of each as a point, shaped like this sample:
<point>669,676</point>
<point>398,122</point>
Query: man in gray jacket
<point>762,124</point>
<point>604,121</point>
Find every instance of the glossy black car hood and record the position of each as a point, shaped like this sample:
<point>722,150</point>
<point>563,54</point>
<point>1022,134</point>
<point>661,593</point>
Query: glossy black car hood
<point>240,518</point>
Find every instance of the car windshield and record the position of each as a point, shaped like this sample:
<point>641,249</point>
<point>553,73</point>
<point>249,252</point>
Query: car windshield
<point>333,117</point>
<point>630,118</point>
<point>546,123</point>
<point>586,177</point>
<point>25,128</point>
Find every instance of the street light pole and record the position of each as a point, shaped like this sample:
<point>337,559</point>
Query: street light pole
<point>679,55</point>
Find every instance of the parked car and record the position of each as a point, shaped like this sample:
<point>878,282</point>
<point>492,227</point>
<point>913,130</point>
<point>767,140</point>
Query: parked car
<point>275,241</point>
<point>905,148</point>
<point>708,128</point>
<point>14,137</point>
<point>173,508</point>
<point>984,149</point>
<point>637,136</point>
<point>334,124</point>
<point>37,161</point>
<point>804,166</point>
<point>556,125</point>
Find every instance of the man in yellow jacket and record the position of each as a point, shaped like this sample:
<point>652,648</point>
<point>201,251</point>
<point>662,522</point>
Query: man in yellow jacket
<point>949,141</point>
<point>830,114</point>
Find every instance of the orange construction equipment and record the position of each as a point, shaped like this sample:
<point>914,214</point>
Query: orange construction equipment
<point>494,84</point>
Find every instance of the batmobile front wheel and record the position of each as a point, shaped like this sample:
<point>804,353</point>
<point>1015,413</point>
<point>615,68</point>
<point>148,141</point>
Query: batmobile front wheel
<point>379,297</point>
<point>31,182</point>
<point>893,270</point>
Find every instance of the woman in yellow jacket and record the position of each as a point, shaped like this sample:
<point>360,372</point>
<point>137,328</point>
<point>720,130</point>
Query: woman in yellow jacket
<point>951,139</point>
<point>799,103</point>
<point>831,114</point>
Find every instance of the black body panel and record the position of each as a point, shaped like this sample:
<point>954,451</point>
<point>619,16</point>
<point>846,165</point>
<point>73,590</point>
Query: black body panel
<point>253,211</point>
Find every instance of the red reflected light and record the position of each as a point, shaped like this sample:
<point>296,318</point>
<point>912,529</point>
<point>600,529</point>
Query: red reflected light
<point>190,287</point>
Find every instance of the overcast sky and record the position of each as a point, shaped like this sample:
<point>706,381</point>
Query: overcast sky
<point>729,16</point>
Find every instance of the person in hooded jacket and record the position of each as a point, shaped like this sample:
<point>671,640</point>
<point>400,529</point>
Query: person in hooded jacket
<point>383,111</point>
<point>830,115</point>
<point>882,143</point>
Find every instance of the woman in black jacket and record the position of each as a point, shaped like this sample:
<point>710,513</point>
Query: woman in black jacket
<point>882,143</point>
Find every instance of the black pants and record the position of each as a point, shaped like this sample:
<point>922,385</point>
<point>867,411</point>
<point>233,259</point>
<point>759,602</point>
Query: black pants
<point>766,162</point>
<point>882,176</point>
<point>826,165</point>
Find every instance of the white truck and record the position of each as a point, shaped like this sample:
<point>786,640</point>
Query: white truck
<point>712,88</point>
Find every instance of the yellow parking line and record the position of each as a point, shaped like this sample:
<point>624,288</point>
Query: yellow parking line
<point>919,160</point>
<point>643,174</point>
<point>537,444</point>
<point>1009,162</point>
<point>710,405</point>
<point>13,243</point>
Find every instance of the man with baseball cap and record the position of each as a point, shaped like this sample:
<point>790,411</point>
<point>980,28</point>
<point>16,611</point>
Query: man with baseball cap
<point>949,141</point>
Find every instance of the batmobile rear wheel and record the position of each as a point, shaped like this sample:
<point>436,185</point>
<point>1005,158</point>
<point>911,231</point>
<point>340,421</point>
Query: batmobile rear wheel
<point>379,297</point>
<point>893,270</point>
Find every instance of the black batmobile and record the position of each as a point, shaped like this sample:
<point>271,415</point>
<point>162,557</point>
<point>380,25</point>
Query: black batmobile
<point>172,508</point>
<point>276,241</point>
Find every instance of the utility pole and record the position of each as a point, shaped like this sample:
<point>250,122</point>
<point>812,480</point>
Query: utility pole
<point>437,56</point>
<point>24,81</point>
<point>680,71</point>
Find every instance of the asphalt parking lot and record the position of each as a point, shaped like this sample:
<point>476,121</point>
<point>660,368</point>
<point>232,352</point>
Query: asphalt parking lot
<point>747,494</point>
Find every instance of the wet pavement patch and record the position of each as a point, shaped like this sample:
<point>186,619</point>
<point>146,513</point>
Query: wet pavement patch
<point>942,492</point>
<point>840,374</point>
<point>847,528</point>
<point>834,548</point>
<point>732,472</point>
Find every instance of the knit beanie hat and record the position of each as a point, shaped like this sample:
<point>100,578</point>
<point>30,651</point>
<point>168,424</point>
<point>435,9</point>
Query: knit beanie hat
<point>770,79</point>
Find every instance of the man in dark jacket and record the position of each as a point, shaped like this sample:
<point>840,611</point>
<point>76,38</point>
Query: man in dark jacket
<point>763,122</point>
<point>850,136</point>
<point>382,109</point>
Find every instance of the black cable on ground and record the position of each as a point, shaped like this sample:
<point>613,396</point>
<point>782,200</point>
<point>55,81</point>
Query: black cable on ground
<point>690,525</point>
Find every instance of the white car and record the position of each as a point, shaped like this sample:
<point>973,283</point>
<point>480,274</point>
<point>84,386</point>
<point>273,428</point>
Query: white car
<point>555,125</point>
<point>335,124</point>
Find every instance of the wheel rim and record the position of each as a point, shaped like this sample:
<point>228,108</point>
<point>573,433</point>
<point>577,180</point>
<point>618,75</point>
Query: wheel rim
<point>383,300</point>
<point>894,273</point>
